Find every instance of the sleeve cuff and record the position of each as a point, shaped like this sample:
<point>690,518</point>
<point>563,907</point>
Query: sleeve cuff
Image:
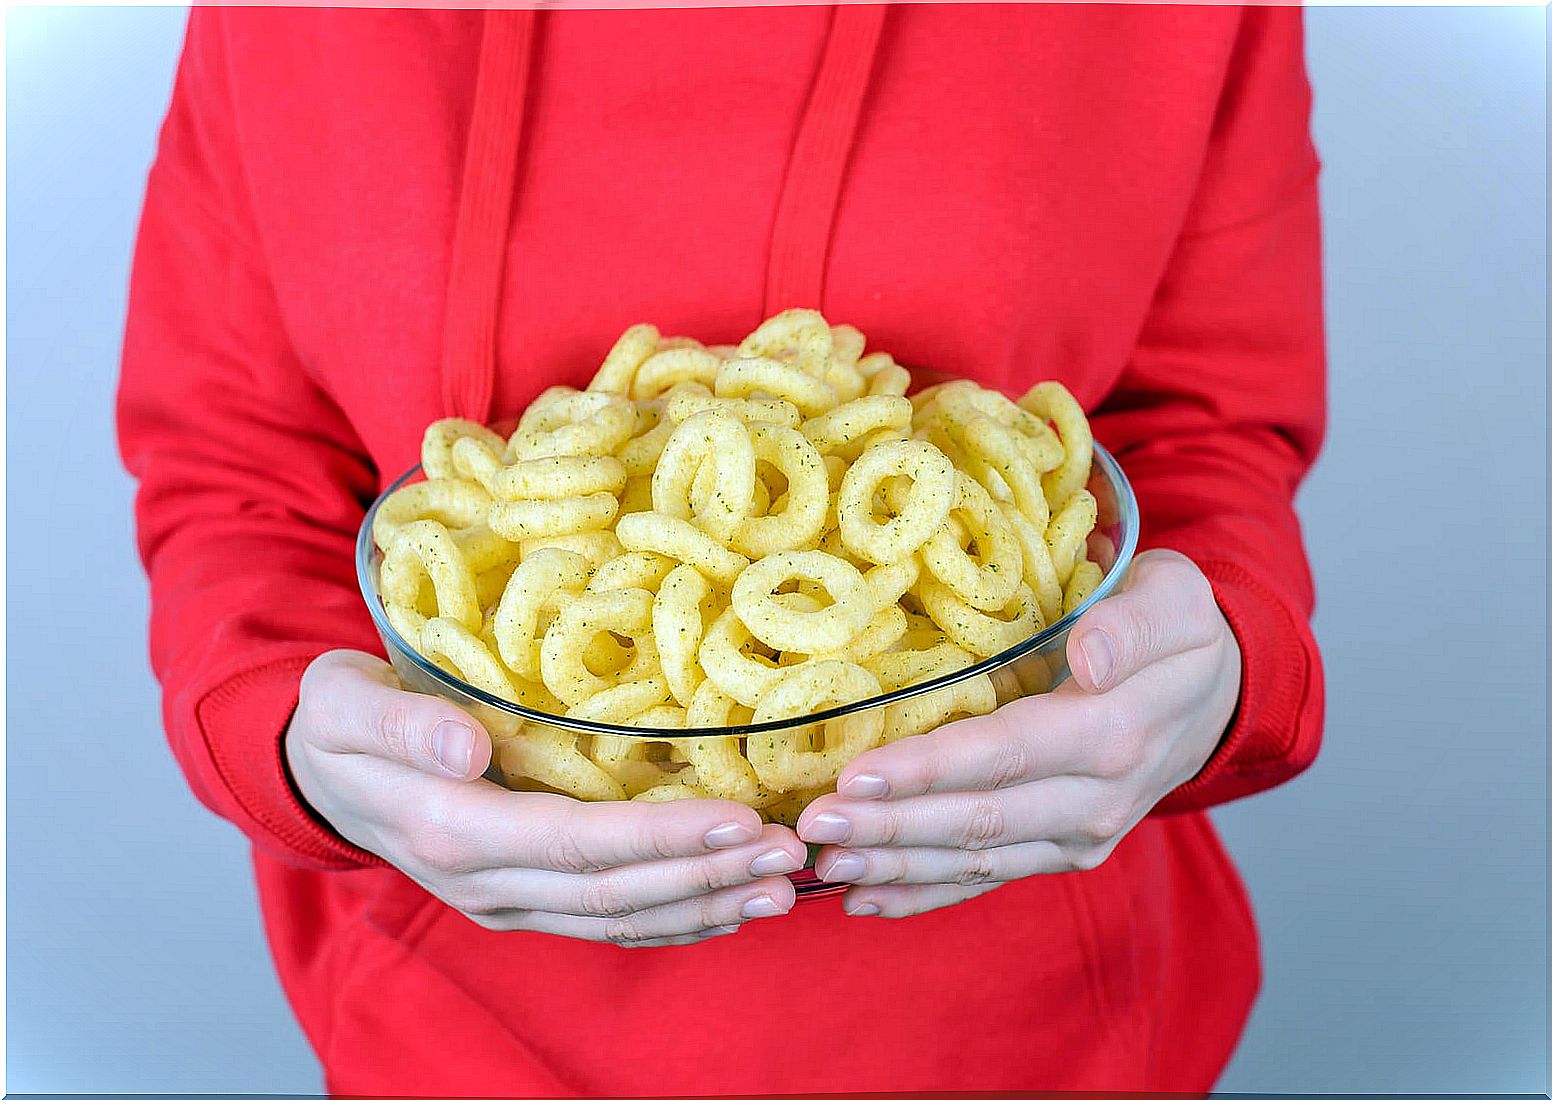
<point>242,721</point>
<point>1262,745</point>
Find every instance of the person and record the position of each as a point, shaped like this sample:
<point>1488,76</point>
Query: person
<point>359,221</point>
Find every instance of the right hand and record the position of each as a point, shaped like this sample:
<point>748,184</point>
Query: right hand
<point>398,774</point>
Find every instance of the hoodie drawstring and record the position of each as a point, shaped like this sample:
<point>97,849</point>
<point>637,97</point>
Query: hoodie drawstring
<point>805,214</point>
<point>484,224</point>
<point>800,234</point>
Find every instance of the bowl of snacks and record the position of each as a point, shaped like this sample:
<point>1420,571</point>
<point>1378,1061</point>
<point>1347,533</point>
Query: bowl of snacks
<point>725,572</point>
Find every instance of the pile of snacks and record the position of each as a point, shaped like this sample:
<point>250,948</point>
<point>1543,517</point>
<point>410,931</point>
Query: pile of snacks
<point>712,537</point>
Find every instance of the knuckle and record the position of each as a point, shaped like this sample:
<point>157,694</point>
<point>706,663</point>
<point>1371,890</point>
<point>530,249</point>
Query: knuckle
<point>885,868</point>
<point>1118,750</point>
<point>497,919</point>
<point>435,849</point>
<point>984,826</point>
<point>1010,760</point>
<point>656,843</point>
<point>1107,821</point>
<point>561,851</point>
<point>888,826</point>
<point>1139,635</point>
<point>471,900</point>
<point>627,931</point>
<point>708,876</point>
<point>975,868</point>
<point>1089,857</point>
<point>605,896</point>
<point>394,724</point>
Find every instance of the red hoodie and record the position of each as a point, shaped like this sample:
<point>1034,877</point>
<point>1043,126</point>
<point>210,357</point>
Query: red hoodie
<point>362,220</point>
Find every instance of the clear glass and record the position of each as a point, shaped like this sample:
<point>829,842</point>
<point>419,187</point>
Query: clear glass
<point>1034,666</point>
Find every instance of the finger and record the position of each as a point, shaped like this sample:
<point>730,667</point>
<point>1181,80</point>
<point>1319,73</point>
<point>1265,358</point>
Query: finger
<point>1167,608</point>
<point>948,866</point>
<point>458,829</point>
<point>1025,740</point>
<point>637,887</point>
<point>1051,809</point>
<point>907,901</point>
<point>552,832</point>
<point>355,705</point>
<point>692,917</point>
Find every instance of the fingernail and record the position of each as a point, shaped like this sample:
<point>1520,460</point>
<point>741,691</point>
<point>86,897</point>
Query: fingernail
<point>827,829</point>
<point>866,909</point>
<point>728,836</point>
<point>777,861</point>
<point>453,746</point>
<point>847,867</point>
<point>1099,651</point>
<point>865,786</point>
<point>761,906</point>
<point>710,932</point>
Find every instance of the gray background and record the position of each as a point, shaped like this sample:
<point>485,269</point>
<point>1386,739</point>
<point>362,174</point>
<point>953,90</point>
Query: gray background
<point>1401,884</point>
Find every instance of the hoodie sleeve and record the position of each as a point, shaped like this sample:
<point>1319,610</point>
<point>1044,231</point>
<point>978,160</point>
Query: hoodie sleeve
<point>252,482</point>
<point>1221,410</point>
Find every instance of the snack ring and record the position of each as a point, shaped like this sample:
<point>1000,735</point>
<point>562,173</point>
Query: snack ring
<point>589,423</point>
<point>425,550</point>
<point>537,580</point>
<point>626,612</point>
<point>622,702</point>
<point>742,377</point>
<point>931,496</point>
<point>679,539</point>
<point>1069,531</point>
<point>634,569</point>
<point>436,445</point>
<point>781,762</point>
<point>751,410</point>
<point>1054,402</point>
<point>797,517</point>
<point>477,459</point>
<point>453,504</point>
<point>911,666</point>
<point>717,445</point>
<point>977,631</point>
<point>923,713</point>
<point>520,520</point>
<point>720,767</point>
<point>1039,569</point>
<point>550,756</point>
<point>744,676</point>
<point>884,376</point>
<point>620,365</point>
<point>1085,578</point>
<point>801,337</point>
<point>596,547</point>
<point>679,626</point>
<point>670,367</point>
<point>987,583</point>
<point>559,477</point>
<point>785,628</point>
<point>850,423</point>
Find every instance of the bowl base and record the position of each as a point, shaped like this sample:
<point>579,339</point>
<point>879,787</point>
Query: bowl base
<point>811,887</point>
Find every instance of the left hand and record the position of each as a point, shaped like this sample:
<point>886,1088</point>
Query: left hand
<point>1048,783</point>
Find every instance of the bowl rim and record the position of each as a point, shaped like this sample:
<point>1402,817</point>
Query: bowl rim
<point>1127,518</point>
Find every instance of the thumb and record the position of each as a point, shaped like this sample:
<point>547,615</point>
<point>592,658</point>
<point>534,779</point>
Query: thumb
<point>355,705</point>
<point>1166,608</point>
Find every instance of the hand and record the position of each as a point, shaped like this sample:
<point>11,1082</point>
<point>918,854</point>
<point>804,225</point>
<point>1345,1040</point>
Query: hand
<point>398,774</point>
<point>1049,783</point>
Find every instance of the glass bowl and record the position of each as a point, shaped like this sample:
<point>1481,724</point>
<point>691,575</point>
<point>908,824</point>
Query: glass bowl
<point>1035,665</point>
